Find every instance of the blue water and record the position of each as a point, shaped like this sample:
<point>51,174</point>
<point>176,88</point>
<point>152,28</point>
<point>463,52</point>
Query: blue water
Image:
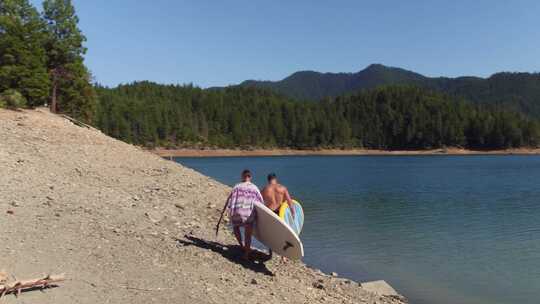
<point>440,229</point>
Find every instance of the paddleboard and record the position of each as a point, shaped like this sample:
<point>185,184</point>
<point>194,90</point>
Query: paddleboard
<point>285,214</point>
<point>276,234</point>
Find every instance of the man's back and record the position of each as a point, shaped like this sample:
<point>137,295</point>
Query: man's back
<point>274,195</point>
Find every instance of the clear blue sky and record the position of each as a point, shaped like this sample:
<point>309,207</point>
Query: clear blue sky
<point>213,43</point>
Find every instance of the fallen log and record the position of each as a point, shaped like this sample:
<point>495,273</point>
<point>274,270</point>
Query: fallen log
<point>27,285</point>
<point>79,123</point>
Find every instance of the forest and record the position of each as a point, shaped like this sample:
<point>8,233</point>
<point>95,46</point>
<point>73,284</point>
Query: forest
<point>390,117</point>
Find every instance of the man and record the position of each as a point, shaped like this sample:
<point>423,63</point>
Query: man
<point>274,194</point>
<point>241,207</point>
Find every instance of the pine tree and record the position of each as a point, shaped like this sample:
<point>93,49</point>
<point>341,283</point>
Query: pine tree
<point>22,56</point>
<point>71,91</point>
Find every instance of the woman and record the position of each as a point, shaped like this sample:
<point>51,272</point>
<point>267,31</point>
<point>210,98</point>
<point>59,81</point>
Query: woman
<point>241,207</point>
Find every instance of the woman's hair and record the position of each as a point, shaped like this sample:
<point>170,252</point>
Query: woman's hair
<point>246,173</point>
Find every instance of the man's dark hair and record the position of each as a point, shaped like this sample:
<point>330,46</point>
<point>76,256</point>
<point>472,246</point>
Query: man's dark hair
<point>271,176</point>
<point>246,173</point>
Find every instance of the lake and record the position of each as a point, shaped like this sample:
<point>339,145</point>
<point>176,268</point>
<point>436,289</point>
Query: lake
<point>439,229</point>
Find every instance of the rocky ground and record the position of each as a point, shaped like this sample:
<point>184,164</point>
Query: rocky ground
<point>126,226</point>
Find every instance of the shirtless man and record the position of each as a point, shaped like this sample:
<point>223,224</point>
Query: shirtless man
<point>274,194</point>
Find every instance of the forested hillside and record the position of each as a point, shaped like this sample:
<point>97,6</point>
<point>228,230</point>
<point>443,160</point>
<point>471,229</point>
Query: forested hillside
<point>519,91</point>
<point>397,117</point>
<point>311,85</point>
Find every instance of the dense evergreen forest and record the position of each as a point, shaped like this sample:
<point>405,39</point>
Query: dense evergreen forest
<point>518,91</point>
<point>393,117</point>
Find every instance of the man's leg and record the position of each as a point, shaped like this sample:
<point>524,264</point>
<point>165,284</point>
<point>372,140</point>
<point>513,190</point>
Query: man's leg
<point>248,233</point>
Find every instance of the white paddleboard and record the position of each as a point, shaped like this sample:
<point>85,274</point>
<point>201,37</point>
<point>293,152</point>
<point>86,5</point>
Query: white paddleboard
<point>276,234</point>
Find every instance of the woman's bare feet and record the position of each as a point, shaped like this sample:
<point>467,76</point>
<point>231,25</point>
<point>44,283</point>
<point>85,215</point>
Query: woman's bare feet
<point>247,253</point>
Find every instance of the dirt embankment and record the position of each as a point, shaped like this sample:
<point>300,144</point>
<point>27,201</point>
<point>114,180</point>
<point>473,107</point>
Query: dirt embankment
<point>287,152</point>
<point>126,226</point>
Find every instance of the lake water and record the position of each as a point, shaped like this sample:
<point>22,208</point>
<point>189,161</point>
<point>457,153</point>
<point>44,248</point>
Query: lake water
<point>440,229</point>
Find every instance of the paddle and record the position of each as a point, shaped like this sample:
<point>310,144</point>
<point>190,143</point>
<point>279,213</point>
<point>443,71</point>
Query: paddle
<point>222,212</point>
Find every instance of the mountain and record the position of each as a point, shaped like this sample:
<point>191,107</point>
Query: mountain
<point>519,91</point>
<point>311,85</point>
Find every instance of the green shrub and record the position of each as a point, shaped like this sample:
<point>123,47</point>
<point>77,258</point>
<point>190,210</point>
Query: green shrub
<point>12,99</point>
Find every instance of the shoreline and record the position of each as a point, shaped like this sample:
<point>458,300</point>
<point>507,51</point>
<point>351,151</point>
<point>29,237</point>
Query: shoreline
<point>191,152</point>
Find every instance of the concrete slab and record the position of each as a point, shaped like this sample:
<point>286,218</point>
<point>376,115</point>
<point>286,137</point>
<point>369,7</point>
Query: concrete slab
<point>380,287</point>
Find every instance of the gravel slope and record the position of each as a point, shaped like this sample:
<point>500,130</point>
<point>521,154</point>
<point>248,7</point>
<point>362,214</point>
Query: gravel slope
<point>126,226</point>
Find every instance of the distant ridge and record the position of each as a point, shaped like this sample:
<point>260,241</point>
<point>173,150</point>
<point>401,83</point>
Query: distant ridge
<point>313,85</point>
<point>520,91</point>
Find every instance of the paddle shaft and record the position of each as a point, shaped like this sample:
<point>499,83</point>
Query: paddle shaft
<point>222,212</point>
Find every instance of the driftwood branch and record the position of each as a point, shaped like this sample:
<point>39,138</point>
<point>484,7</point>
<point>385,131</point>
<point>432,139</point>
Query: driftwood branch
<point>79,123</point>
<point>21,286</point>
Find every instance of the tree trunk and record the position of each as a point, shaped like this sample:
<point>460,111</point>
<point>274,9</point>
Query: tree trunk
<point>53,97</point>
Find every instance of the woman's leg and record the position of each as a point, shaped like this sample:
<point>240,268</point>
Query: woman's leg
<point>247,241</point>
<point>238,235</point>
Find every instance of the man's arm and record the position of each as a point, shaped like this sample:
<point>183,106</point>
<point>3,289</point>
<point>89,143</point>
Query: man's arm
<point>222,212</point>
<point>289,201</point>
